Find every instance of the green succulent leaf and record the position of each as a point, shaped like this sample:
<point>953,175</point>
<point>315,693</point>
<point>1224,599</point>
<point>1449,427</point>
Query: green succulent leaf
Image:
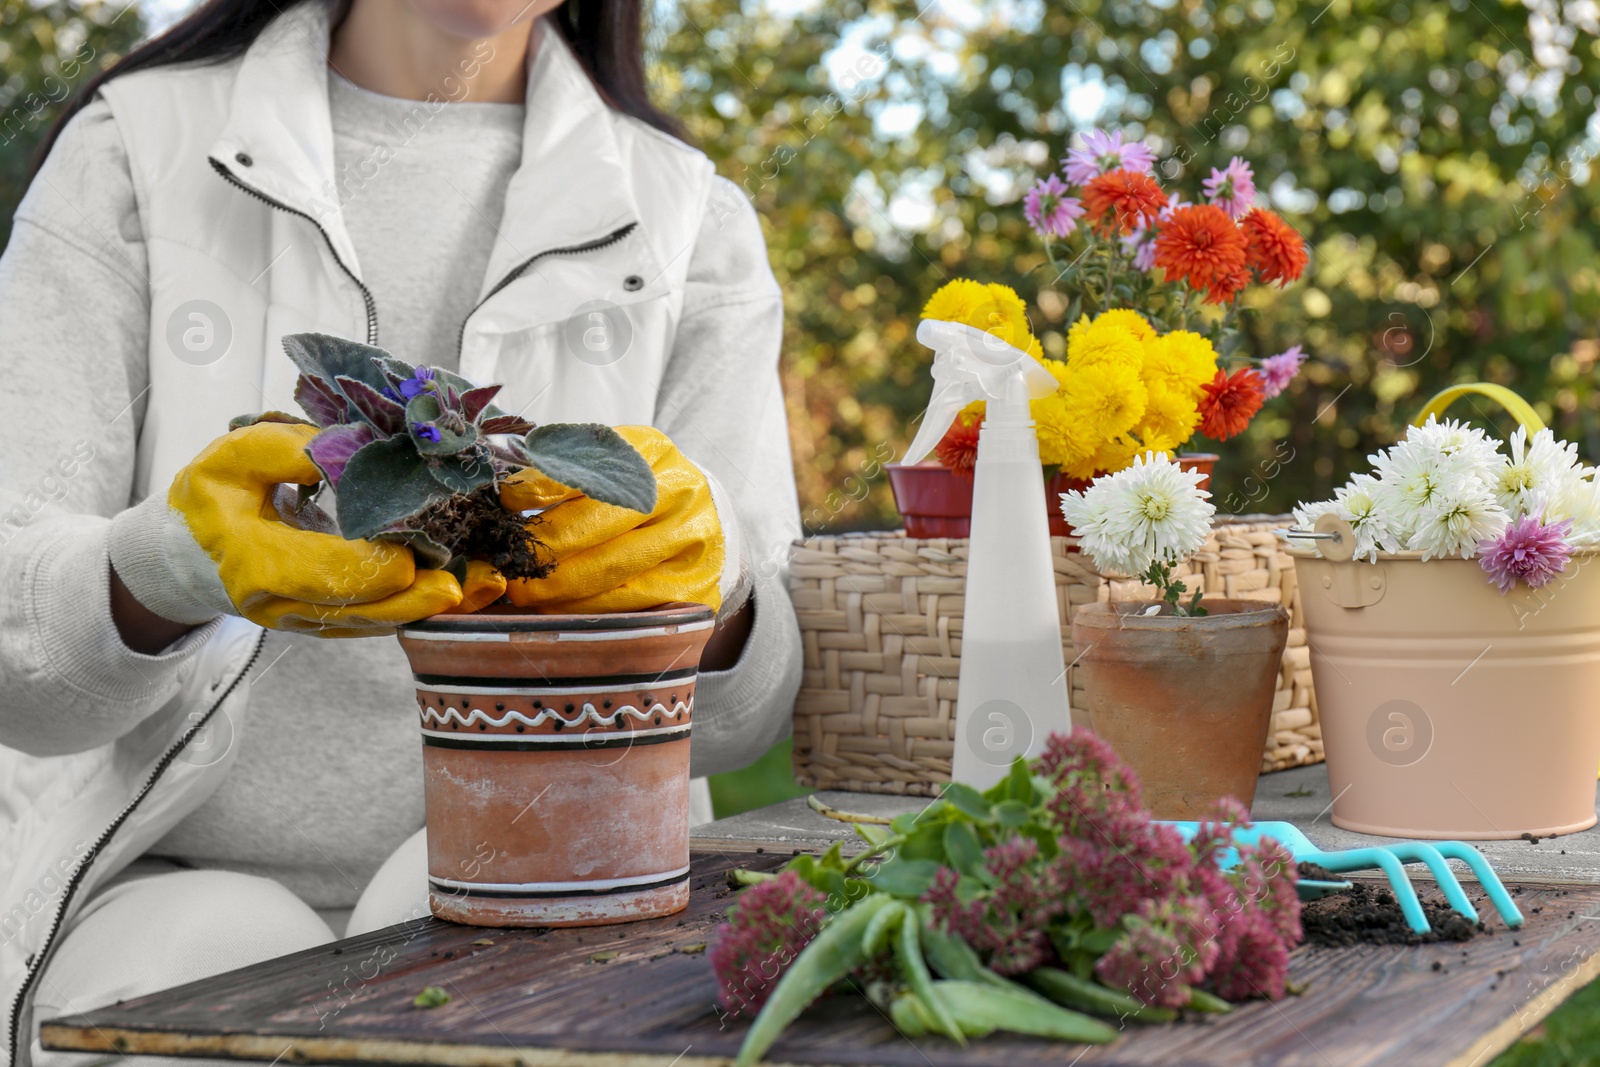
<point>425,410</point>
<point>967,800</point>
<point>595,460</point>
<point>327,357</point>
<point>908,879</point>
<point>384,483</point>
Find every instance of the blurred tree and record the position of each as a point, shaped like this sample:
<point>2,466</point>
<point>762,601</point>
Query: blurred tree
<point>46,50</point>
<point>1434,153</point>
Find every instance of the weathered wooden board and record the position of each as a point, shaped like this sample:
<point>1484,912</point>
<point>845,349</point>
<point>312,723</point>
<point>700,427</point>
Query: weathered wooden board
<point>545,997</point>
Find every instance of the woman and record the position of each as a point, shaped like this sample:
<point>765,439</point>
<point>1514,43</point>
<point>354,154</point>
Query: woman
<point>478,185</point>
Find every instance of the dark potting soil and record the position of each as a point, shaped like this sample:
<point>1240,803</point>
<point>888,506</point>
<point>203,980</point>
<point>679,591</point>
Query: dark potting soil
<point>1311,872</point>
<point>475,526</point>
<point>1369,915</point>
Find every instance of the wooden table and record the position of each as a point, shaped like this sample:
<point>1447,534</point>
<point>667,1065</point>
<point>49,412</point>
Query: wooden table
<point>644,994</point>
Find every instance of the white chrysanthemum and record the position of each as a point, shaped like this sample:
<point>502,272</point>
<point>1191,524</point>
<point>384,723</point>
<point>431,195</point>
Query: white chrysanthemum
<point>1459,516</point>
<point>1355,503</point>
<point>1408,479</point>
<point>1153,510</point>
<point>1581,504</point>
<point>1457,443</point>
<point>1540,475</point>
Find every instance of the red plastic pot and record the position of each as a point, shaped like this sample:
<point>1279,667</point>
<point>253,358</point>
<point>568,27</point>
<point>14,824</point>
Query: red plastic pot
<point>937,502</point>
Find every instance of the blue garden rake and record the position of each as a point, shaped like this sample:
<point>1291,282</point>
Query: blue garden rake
<point>1390,859</point>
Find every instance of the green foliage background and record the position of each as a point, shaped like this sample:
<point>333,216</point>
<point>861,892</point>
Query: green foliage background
<point>1433,153</point>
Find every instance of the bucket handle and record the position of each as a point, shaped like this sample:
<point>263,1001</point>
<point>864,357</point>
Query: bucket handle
<point>1515,406</point>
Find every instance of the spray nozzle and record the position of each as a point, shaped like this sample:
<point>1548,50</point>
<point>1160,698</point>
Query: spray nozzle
<point>972,364</point>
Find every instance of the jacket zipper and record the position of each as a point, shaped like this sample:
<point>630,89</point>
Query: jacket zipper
<point>522,268</point>
<point>37,961</point>
<point>366,294</point>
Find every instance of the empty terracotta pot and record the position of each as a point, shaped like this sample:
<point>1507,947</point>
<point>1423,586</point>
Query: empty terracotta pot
<point>556,763</point>
<point>1186,701</point>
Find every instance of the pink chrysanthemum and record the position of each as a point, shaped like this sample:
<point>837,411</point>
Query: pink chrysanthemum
<point>766,930</point>
<point>1279,370</point>
<point>1529,549</point>
<point>1050,211</point>
<point>1102,152</point>
<point>1233,188</point>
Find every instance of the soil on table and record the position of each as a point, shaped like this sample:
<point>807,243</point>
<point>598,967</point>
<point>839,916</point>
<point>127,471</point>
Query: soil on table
<point>1370,915</point>
<point>1311,872</point>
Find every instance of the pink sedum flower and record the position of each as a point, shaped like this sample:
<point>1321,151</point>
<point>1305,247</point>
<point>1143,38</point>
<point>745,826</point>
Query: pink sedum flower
<point>1102,152</point>
<point>1279,370</point>
<point>1050,211</point>
<point>1233,188</point>
<point>1529,550</point>
<point>765,931</point>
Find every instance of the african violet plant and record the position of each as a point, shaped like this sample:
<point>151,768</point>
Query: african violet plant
<point>415,455</point>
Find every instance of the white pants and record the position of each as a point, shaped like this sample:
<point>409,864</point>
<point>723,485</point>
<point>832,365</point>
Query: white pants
<point>156,926</point>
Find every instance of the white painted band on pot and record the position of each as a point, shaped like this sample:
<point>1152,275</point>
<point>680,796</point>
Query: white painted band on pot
<point>591,885</point>
<point>589,711</point>
<point>557,740</point>
<point>445,689</point>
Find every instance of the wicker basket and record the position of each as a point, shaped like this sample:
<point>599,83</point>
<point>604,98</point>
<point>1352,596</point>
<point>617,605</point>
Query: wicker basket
<point>880,615</point>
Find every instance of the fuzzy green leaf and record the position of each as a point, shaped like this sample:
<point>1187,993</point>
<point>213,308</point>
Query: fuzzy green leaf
<point>384,483</point>
<point>429,553</point>
<point>324,356</point>
<point>595,460</point>
<point>239,422</point>
<point>425,410</point>
<point>461,474</point>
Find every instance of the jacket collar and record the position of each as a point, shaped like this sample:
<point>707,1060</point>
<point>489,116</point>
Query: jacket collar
<point>570,187</point>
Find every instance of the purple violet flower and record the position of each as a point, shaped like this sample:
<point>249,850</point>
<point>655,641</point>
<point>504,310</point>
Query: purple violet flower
<point>1102,152</point>
<point>419,381</point>
<point>1528,549</point>
<point>1279,370</point>
<point>1233,188</point>
<point>1050,211</point>
<point>426,430</point>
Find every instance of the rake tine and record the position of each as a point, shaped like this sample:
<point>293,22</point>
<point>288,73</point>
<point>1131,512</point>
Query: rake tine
<point>1490,881</point>
<point>1356,859</point>
<point>1449,884</point>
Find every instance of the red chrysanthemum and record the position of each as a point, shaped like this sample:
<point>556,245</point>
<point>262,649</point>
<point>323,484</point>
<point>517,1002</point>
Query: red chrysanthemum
<point>1122,200</point>
<point>1229,403</point>
<point>1222,290</point>
<point>1273,247</point>
<point>958,448</point>
<point>1202,245</point>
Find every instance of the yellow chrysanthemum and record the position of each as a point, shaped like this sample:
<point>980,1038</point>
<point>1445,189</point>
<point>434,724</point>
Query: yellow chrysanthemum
<point>993,308</point>
<point>1127,319</point>
<point>1103,340</point>
<point>1065,440</point>
<point>1180,361</point>
<point>972,414</point>
<point>1170,418</point>
<point>1108,397</point>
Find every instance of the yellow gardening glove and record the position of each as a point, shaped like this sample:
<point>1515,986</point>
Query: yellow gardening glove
<point>221,547</point>
<point>611,559</point>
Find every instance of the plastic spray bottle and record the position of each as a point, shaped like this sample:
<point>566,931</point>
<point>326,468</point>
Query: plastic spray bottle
<point>1013,683</point>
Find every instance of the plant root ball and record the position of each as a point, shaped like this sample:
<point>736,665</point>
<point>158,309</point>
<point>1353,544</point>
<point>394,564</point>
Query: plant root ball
<point>475,526</point>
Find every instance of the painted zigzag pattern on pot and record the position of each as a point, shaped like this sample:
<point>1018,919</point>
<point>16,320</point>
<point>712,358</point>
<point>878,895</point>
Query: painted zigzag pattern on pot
<point>589,713</point>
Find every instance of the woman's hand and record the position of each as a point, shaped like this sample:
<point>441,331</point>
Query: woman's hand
<point>218,545</point>
<point>611,559</point>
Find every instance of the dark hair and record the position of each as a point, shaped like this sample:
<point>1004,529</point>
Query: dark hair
<point>606,36</point>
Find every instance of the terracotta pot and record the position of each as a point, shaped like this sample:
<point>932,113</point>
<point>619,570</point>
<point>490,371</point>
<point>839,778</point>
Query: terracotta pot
<point>556,763</point>
<point>1449,710</point>
<point>1186,701</point>
<point>935,501</point>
